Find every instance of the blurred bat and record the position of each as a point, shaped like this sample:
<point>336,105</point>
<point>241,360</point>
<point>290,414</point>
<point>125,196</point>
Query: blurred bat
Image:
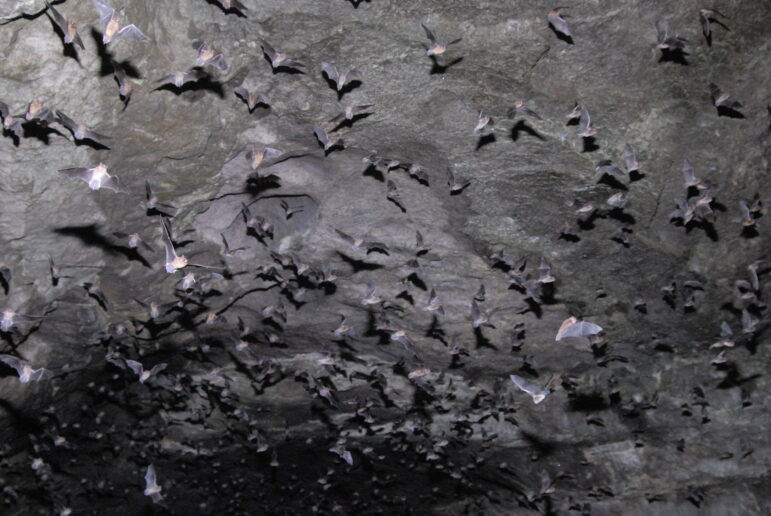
<point>722,99</point>
<point>152,203</point>
<point>96,178</point>
<point>519,108</point>
<point>25,371</point>
<point>140,371</point>
<point>11,123</point>
<point>325,140</point>
<point>67,27</point>
<point>665,40</point>
<point>112,26</point>
<point>252,99</point>
<point>585,124</point>
<point>706,16</point>
<point>179,79</point>
<point>133,240</point>
<point>152,489</point>
<point>80,131</point>
<point>359,243</point>
<point>534,391</point>
<point>350,112</point>
<point>279,59</point>
<point>558,22</point>
<point>437,48</point>
<point>630,160</point>
<point>37,111</point>
<point>483,122</point>
<point>207,56</point>
<point>257,158</point>
<point>340,79</point>
<point>573,327</point>
<point>456,187</point>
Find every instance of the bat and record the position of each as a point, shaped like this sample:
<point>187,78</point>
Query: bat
<point>152,489</point>
<point>480,295</point>
<point>340,79</point>
<point>722,98</point>
<point>483,122</point>
<point>289,211</point>
<point>534,391</point>
<point>207,56</point>
<point>726,337</point>
<point>112,27</point>
<point>544,272</point>
<point>433,303</point>
<point>617,200</point>
<point>344,329</point>
<point>575,113</point>
<point>80,131</point>
<point>96,178</point>
<point>456,187</point>
<point>325,140</point>
<point>371,298</point>
<point>519,108</point>
<point>402,337</point>
<point>96,292</point>
<point>37,111</point>
<point>478,318</point>
<point>606,167</point>
<point>416,172</point>
<point>24,370</point>
<point>140,371</point>
<point>174,261</point>
<point>689,177</point>
<point>359,243</point>
<point>705,17</point>
<point>10,122</point>
<point>256,158</point>
<point>437,48</point>
<point>259,225</point>
<point>252,99</point>
<point>343,454</point>
<point>350,112</point>
<point>572,327</point>
<point>585,124</point>
<point>630,160</point>
<point>152,203</point>
<point>665,40</point>
<point>279,59</point>
<point>420,244</point>
<point>558,22</point>
<point>133,240</point>
<point>67,27</point>
<point>380,162</point>
<point>178,79</point>
<point>125,84</point>
<point>748,218</point>
<point>752,272</point>
<point>392,193</point>
<point>749,323</point>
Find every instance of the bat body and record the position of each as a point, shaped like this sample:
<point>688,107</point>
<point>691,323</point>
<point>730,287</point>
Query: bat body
<point>37,111</point>
<point>152,489</point>
<point>174,262</point>
<point>257,158</point>
<point>341,80</point>
<point>558,22</point>
<point>534,391</point>
<point>207,56</point>
<point>252,99</point>
<point>112,26</point>
<point>483,122</point>
<point>573,327</point>
<point>133,240</point>
<point>279,59</point>
<point>96,178</point>
<point>25,371</point>
<point>141,372</point>
<point>437,48</point>
<point>705,17</point>
<point>67,27</point>
<point>125,86</point>
<point>80,131</point>
<point>456,186</point>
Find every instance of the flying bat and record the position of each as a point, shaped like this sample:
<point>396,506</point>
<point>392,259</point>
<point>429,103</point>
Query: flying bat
<point>350,112</point>
<point>37,111</point>
<point>371,298</point>
<point>433,303</point>
<point>112,27</point>
<point>257,158</point>
<point>174,261</point>
<point>179,79</point>
<point>392,193</point>
<point>572,327</point>
<point>340,79</point>
<point>359,243</point>
<point>585,124</point>
<point>279,59</point>
<point>665,40</point>
<point>630,160</point>
<point>344,329</point>
<point>689,177</point>
<point>537,393</point>
<point>288,210</point>
<point>479,318</point>
<point>96,178</point>
<point>252,99</point>
<point>10,122</point>
<point>437,48</point>
<point>722,99</point>
<point>325,140</point>
<point>207,56</point>
<point>24,370</point>
<point>606,167</point>
<point>152,204</point>
<point>140,371</point>
<point>133,240</point>
<point>456,187</point>
<point>483,122</point>
<point>705,17</point>
<point>519,108</point>
<point>617,200</point>
<point>125,85</point>
<point>95,291</point>
<point>152,489</point>
<point>67,27</point>
<point>80,131</point>
<point>558,22</point>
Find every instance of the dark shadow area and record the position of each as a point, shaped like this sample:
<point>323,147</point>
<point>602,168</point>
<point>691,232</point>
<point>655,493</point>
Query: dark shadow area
<point>440,69</point>
<point>206,83</point>
<point>560,36</point>
<point>91,237</point>
<point>231,10</point>
<point>522,127</point>
<point>674,55</point>
<point>485,139</point>
<point>359,265</point>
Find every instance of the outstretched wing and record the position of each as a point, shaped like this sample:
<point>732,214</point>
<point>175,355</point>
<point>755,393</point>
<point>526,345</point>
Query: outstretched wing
<point>105,10</point>
<point>84,174</point>
<point>13,362</point>
<point>330,70</point>
<point>131,32</point>
<point>135,366</point>
<point>429,34</point>
<point>321,134</point>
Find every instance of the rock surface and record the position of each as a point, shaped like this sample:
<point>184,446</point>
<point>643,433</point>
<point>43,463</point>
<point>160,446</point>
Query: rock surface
<point>639,421</point>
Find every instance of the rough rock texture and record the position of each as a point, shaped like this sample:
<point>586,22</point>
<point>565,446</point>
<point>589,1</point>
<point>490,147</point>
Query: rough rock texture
<point>641,421</point>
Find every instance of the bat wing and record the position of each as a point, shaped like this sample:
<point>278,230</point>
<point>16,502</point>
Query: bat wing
<point>157,368</point>
<point>66,121</point>
<point>523,384</point>
<point>361,108</point>
<point>84,174</point>
<point>271,153</point>
<point>586,120</point>
<point>150,480</point>
<point>40,374</point>
<point>105,10</point>
<point>242,92</point>
<point>348,238</point>
<point>714,90</point>
<point>330,70</point>
<point>114,184</point>
<point>704,19</point>
<point>4,110</point>
<point>454,42</point>
<point>352,75</point>
<point>58,18</point>
<point>582,329</point>
<point>529,112</point>
<point>630,159</point>
<point>169,246</point>
<point>14,362</point>
<point>262,99</point>
<point>135,366</point>
<point>268,49</point>
<point>429,34</point>
<point>560,24</point>
<point>97,137</point>
<point>131,32</point>
<point>321,134</point>
<point>192,76</point>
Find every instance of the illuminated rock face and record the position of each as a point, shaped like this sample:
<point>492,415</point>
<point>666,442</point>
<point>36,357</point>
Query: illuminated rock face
<point>418,401</point>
